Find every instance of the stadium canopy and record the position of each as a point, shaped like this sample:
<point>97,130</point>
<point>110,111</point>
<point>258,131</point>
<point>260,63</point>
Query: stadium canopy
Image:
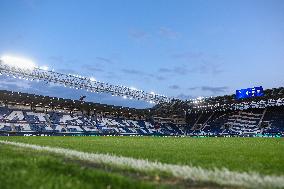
<point>26,69</point>
<point>36,102</point>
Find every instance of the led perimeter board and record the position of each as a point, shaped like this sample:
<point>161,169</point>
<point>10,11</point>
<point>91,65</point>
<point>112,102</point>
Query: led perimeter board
<point>249,92</point>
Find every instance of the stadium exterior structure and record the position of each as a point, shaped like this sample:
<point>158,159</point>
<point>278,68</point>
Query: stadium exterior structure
<point>29,114</point>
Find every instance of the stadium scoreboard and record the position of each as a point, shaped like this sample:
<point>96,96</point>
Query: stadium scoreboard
<point>249,92</point>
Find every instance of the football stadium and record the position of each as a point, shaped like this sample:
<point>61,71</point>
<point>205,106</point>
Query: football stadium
<point>60,127</point>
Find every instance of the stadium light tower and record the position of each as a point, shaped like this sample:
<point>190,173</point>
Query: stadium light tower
<point>27,69</point>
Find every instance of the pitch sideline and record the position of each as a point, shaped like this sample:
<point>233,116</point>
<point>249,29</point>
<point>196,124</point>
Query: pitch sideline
<point>219,176</point>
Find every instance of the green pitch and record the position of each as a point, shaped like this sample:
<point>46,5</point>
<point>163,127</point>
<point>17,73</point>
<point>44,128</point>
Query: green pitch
<point>262,155</point>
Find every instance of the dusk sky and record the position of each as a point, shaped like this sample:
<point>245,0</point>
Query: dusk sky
<point>179,48</point>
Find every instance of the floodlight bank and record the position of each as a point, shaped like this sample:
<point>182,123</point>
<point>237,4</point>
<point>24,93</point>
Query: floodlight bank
<point>26,69</point>
<point>218,176</point>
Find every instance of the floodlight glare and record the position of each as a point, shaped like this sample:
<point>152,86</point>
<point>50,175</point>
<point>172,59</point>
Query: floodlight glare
<point>44,68</point>
<point>93,79</point>
<point>133,88</point>
<point>18,62</point>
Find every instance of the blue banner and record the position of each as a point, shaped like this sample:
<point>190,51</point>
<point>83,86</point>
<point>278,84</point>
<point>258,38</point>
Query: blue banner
<point>249,92</point>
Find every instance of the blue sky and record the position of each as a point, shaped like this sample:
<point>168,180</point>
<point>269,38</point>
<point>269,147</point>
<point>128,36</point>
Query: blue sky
<point>180,48</point>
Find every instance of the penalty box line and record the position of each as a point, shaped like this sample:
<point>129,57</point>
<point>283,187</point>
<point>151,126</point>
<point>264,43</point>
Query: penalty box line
<point>218,176</point>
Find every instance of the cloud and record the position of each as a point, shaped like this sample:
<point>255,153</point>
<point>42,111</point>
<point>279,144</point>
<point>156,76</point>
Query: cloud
<point>203,68</point>
<point>208,68</point>
<point>10,83</point>
<point>168,33</point>
<point>182,70</point>
<point>93,68</point>
<point>174,87</point>
<point>199,62</point>
<point>177,70</point>
<point>192,88</point>
<point>56,58</point>
<point>188,55</point>
<point>60,60</point>
<point>165,70</point>
<point>160,78</point>
<point>214,90</point>
<point>133,72</point>
<point>112,75</point>
<point>162,31</point>
<point>104,60</point>
<point>184,97</point>
<point>143,74</point>
<point>51,84</point>
<point>138,34</point>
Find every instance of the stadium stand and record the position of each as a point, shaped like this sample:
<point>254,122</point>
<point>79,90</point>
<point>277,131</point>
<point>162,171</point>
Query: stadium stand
<point>28,114</point>
<point>27,121</point>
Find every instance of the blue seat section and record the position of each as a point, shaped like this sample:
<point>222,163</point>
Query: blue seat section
<point>4,112</point>
<point>54,117</point>
<point>38,127</point>
<point>5,127</point>
<point>240,123</point>
<point>274,119</point>
<point>252,122</point>
<point>31,118</point>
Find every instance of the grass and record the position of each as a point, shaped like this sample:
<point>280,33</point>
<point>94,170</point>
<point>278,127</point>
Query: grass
<point>263,155</point>
<point>22,168</point>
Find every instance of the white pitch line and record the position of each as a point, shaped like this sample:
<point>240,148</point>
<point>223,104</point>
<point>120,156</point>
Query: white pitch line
<point>219,176</point>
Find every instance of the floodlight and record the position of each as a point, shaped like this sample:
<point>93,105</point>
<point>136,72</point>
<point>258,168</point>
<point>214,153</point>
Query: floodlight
<point>18,62</point>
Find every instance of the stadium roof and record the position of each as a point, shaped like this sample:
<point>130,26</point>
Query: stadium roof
<point>47,102</point>
<point>220,103</point>
<point>174,108</point>
<point>26,69</point>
